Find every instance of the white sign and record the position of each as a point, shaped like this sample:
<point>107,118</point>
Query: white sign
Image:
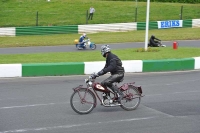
<point>170,24</point>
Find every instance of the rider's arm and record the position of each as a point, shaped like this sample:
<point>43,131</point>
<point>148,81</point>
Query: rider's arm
<point>157,39</point>
<point>111,66</point>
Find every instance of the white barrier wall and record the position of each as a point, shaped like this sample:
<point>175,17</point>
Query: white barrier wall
<point>114,27</point>
<point>10,70</point>
<point>197,63</point>
<point>133,65</point>
<point>91,67</point>
<point>195,23</point>
<point>129,66</point>
<point>7,31</point>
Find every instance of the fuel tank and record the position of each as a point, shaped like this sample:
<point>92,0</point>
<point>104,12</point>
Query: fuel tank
<point>99,87</point>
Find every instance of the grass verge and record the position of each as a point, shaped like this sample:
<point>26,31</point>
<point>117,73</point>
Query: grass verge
<point>124,54</point>
<point>100,38</point>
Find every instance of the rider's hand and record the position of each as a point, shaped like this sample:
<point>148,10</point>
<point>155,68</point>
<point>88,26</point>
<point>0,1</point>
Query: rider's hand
<point>94,76</point>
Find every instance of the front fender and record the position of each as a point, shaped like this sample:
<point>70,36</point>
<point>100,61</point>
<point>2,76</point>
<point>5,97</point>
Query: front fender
<point>77,88</point>
<point>80,87</point>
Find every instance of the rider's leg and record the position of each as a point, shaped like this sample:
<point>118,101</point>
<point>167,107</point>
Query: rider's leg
<point>109,82</point>
<point>157,43</point>
<point>154,44</point>
<point>120,95</point>
<point>81,45</point>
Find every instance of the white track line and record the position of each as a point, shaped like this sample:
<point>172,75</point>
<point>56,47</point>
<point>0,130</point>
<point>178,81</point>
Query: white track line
<point>75,125</point>
<point>33,105</point>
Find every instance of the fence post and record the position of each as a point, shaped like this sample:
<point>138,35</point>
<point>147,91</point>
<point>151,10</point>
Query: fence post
<point>37,18</point>
<point>136,14</point>
<point>87,17</point>
<point>181,15</point>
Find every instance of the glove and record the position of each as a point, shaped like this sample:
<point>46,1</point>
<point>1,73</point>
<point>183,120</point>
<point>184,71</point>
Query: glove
<point>94,76</point>
<point>100,73</point>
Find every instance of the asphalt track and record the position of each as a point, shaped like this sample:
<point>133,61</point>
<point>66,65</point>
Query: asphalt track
<point>71,48</point>
<point>41,105</point>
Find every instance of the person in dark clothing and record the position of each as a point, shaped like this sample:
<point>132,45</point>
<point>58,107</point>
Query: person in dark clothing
<point>153,41</point>
<point>114,66</point>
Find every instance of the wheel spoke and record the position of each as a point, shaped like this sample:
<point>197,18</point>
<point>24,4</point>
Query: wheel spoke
<point>82,101</point>
<point>131,100</point>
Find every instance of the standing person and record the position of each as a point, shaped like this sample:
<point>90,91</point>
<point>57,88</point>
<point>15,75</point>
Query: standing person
<point>92,10</point>
<point>114,66</point>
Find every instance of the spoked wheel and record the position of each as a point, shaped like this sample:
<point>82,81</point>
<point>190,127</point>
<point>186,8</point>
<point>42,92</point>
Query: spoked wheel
<point>83,101</point>
<point>131,99</point>
<point>93,46</point>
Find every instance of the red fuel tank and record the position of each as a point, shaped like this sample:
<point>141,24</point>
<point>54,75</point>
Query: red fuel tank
<point>99,87</point>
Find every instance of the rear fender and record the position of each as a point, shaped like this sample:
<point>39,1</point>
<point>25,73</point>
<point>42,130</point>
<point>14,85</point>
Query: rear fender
<point>125,87</point>
<point>139,90</point>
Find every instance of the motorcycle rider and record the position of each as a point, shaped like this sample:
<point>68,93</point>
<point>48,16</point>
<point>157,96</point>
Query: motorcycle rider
<point>114,66</point>
<point>153,41</point>
<point>82,41</point>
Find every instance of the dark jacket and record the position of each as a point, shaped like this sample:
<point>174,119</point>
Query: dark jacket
<point>153,40</point>
<point>113,64</point>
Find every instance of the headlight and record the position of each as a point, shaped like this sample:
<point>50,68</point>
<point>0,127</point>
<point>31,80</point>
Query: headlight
<point>90,83</point>
<point>86,80</point>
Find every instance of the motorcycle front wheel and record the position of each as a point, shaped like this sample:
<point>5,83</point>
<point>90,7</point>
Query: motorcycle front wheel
<point>83,101</point>
<point>131,99</point>
<point>93,46</point>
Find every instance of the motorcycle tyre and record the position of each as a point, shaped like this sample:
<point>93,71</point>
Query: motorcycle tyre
<point>136,105</point>
<point>93,46</point>
<point>76,110</point>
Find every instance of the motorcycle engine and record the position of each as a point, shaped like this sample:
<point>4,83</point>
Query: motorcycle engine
<point>106,99</point>
<point>106,102</point>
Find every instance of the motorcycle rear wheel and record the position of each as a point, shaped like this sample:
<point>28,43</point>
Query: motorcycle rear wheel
<point>83,101</point>
<point>131,100</point>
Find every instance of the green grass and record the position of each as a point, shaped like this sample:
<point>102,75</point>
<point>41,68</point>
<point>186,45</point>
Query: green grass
<point>124,54</point>
<point>100,38</point>
<point>15,13</point>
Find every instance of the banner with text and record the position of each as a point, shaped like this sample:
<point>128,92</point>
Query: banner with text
<point>170,24</point>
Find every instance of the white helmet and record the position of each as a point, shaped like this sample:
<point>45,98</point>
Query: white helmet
<point>105,49</point>
<point>84,35</point>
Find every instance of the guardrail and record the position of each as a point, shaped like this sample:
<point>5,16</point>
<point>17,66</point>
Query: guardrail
<point>81,68</point>
<point>94,28</point>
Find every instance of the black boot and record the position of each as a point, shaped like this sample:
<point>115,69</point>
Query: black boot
<point>119,94</point>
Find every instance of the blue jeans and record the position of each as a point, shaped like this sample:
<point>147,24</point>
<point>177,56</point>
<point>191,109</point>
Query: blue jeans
<point>81,44</point>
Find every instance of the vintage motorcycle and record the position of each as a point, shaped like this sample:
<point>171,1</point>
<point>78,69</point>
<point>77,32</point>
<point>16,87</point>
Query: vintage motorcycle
<point>87,44</point>
<point>84,99</point>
